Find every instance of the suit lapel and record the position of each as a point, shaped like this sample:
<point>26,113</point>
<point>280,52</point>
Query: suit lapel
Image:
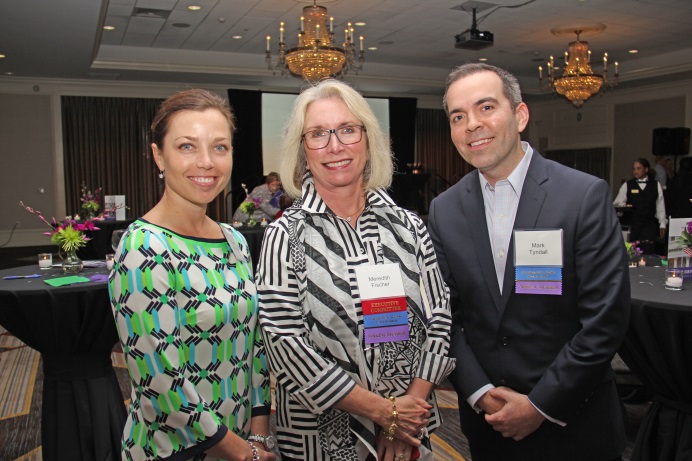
<point>474,209</point>
<point>530,204</point>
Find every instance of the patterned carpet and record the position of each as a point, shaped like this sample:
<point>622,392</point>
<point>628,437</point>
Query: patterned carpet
<point>21,384</point>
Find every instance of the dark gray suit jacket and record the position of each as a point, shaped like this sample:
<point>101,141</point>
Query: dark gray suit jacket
<point>556,349</point>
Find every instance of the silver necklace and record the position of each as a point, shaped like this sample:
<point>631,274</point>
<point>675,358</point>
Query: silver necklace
<point>348,218</point>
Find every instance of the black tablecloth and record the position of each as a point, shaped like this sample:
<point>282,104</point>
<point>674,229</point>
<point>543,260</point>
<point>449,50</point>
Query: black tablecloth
<point>100,244</point>
<point>83,413</point>
<point>658,349</point>
<point>254,236</point>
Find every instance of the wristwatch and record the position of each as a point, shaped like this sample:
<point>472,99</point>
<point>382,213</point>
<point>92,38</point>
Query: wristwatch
<point>268,441</point>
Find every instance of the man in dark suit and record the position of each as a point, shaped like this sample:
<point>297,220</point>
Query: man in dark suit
<point>533,370</point>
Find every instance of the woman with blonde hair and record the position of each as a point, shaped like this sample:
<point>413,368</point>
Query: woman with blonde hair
<point>353,310</point>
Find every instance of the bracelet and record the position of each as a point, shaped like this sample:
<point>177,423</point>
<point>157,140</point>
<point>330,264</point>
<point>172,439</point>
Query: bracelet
<point>389,434</point>
<point>255,453</point>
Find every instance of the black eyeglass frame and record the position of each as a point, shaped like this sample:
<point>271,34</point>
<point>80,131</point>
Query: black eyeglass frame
<point>334,132</point>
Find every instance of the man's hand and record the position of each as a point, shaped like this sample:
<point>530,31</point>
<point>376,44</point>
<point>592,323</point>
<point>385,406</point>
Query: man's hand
<point>518,418</point>
<point>490,404</point>
<point>662,232</point>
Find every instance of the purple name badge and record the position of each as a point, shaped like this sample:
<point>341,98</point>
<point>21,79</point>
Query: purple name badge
<point>535,287</point>
<point>386,334</point>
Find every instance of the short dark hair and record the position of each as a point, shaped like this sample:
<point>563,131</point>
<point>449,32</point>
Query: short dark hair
<point>510,84</point>
<point>194,99</point>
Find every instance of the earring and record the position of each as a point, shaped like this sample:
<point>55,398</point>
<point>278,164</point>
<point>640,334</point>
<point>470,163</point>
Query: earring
<point>161,174</point>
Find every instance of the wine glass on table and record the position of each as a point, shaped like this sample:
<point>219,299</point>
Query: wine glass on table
<point>115,238</point>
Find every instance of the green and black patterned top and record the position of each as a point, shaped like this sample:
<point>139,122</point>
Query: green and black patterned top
<point>186,312</point>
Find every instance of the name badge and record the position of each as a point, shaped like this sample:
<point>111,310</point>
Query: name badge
<point>383,299</point>
<point>634,191</point>
<point>538,261</point>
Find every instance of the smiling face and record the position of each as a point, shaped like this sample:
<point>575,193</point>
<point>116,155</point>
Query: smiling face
<point>485,128</point>
<point>196,156</point>
<point>336,165</point>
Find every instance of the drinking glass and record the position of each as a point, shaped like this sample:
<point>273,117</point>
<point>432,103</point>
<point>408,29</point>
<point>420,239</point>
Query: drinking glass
<point>115,238</point>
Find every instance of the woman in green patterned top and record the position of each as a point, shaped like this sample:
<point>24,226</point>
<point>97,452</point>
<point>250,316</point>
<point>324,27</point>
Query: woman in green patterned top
<point>185,303</point>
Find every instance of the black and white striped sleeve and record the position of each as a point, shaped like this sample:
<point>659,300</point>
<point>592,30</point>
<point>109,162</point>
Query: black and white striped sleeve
<point>315,381</point>
<point>435,365</point>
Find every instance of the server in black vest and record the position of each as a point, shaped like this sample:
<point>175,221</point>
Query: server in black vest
<point>645,195</point>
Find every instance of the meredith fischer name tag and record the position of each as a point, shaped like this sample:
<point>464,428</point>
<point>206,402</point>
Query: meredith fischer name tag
<point>385,314</point>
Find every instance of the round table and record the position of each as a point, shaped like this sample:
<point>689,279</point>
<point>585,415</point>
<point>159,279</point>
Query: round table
<point>83,413</point>
<point>658,349</point>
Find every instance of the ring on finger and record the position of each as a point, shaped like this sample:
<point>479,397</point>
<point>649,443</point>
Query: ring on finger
<point>401,457</point>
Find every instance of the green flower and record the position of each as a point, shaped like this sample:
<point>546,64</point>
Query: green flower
<point>68,238</point>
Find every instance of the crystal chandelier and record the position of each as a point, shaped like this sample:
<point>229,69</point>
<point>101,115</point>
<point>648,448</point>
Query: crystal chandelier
<point>578,81</point>
<point>316,57</point>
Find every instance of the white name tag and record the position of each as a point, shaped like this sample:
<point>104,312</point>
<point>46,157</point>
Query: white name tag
<point>538,248</point>
<point>379,281</point>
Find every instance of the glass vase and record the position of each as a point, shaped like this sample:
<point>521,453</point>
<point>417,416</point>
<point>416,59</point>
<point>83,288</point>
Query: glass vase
<point>71,264</point>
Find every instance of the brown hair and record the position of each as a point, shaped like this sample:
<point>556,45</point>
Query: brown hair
<point>271,177</point>
<point>195,99</point>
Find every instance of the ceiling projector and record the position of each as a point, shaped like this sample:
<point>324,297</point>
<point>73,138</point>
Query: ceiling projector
<point>474,39</point>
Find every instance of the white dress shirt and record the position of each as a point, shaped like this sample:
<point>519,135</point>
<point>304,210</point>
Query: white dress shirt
<point>621,200</point>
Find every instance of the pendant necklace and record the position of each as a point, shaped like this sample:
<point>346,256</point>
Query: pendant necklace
<point>348,218</point>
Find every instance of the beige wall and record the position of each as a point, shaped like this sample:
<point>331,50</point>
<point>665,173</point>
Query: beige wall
<point>633,133</point>
<point>27,161</point>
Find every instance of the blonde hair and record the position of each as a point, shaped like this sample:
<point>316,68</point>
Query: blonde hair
<point>379,166</point>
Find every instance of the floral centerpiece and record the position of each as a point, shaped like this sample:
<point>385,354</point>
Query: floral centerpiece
<point>634,253</point>
<point>69,235</point>
<point>91,202</point>
<point>249,205</point>
<point>687,239</point>
<point>633,249</point>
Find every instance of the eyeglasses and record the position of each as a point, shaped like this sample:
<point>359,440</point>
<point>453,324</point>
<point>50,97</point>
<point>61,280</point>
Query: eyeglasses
<point>317,139</point>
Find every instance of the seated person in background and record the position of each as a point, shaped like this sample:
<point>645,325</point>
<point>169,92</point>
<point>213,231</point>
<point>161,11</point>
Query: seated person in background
<point>648,210</point>
<point>268,194</point>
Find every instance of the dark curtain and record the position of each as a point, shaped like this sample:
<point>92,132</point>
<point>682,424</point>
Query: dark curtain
<point>595,161</point>
<point>247,143</point>
<point>406,190</point>
<point>437,152</point>
<point>106,144</point>
<point>402,130</point>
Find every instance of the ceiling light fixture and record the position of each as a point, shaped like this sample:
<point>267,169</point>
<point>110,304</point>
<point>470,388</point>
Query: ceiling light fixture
<point>578,81</point>
<point>317,57</point>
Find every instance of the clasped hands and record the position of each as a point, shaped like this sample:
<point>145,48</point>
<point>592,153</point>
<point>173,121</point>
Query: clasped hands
<point>510,412</point>
<point>412,417</point>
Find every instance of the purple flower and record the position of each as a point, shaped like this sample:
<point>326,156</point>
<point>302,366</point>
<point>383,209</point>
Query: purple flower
<point>689,227</point>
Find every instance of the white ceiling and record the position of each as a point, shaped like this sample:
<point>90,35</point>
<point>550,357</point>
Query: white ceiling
<point>415,39</point>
